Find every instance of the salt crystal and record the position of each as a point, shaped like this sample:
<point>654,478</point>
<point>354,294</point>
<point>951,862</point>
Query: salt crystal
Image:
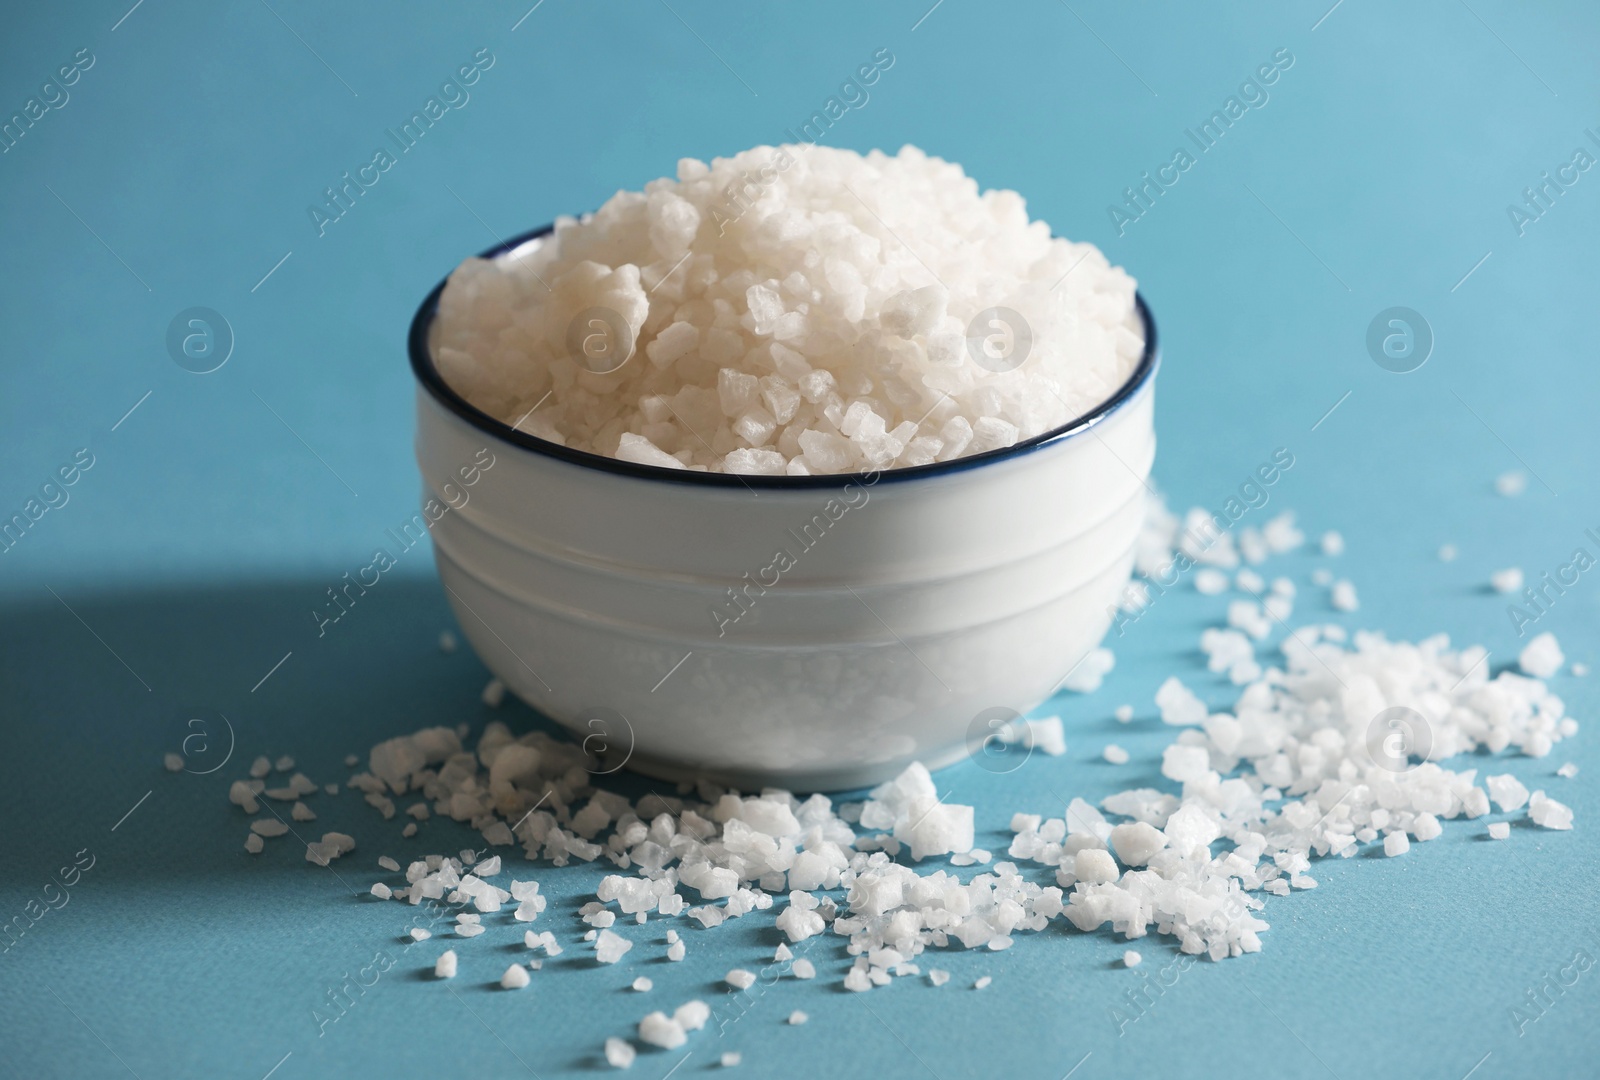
<point>982,983</point>
<point>1507,792</point>
<point>254,844</point>
<point>1568,770</point>
<point>659,1029</point>
<point>260,767</point>
<point>1542,657</point>
<point>1343,597</point>
<point>804,969</point>
<point>419,934</point>
<point>515,977</point>
<point>620,1053</point>
<point>740,979</point>
<point>642,984</point>
<point>1115,754</point>
<point>388,864</point>
<point>1548,813</point>
<point>1322,576</point>
<point>676,951</point>
<point>1506,581</point>
<point>381,891</point>
<point>494,692</point>
<point>1511,484</point>
<point>938,976</point>
<point>1124,714</point>
<point>797,1018</point>
<point>1131,959</point>
<point>410,830</point>
<point>1427,827</point>
<point>609,947</point>
<point>731,1058</point>
<point>284,763</point>
<point>268,827</point>
<point>1499,830</point>
<point>173,762</point>
<point>1210,582</point>
<point>1332,544</point>
<point>445,967</point>
<point>301,812</point>
<point>1396,843</point>
<point>692,1015</point>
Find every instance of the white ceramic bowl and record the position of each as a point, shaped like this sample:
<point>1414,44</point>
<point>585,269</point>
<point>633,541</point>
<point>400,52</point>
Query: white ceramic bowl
<point>906,607</point>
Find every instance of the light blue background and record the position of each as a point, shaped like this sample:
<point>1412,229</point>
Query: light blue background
<point>179,174</point>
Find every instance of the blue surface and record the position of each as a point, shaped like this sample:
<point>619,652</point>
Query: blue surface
<point>215,515</point>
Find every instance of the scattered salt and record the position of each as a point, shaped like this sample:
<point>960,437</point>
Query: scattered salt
<point>1499,830</point>
<point>797,1018</point>
<point>445,967</point>
<point>1131,959</point>
<point>515,977</point>
<point>740,979</point>
<point>1332,544</point>
<point>982,983</point>
<point>1115,754</point>
<point>642,984</point>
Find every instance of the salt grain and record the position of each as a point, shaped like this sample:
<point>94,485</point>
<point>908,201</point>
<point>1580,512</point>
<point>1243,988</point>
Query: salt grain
<point>740,979</point>
<point>620,1053</point>
<point>1124,714</point>
<point>610,947</point>
<point>642,984</point>
<point>1499,830</point>
<point>254,844</point>
<point>1511,484</point>
<point>1131,959</point>
<point>494,692</point>
<point>515,977</point>
<point>1506,581</point>
<point>1115,754</point>
<point>1447,553</point>
<point>804,969</point>
<point>731,1058</point>
<point>1542,657</point>
<point>797,1018</point>
<point>445,967</point>
<point>1396,843</point>
<point>173,762</point>
<point>982,983</point>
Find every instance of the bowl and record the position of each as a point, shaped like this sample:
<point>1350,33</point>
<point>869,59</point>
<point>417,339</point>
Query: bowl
<point>810,632</point>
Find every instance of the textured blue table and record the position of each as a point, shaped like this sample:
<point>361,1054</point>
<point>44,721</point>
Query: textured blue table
<point>176,168</point>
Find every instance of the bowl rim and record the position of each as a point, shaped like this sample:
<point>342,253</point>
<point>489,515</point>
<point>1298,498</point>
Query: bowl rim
<point>428,376</point>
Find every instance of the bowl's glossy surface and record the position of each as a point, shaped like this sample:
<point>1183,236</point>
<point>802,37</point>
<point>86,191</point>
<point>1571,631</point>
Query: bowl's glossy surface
<point>812,632</point>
